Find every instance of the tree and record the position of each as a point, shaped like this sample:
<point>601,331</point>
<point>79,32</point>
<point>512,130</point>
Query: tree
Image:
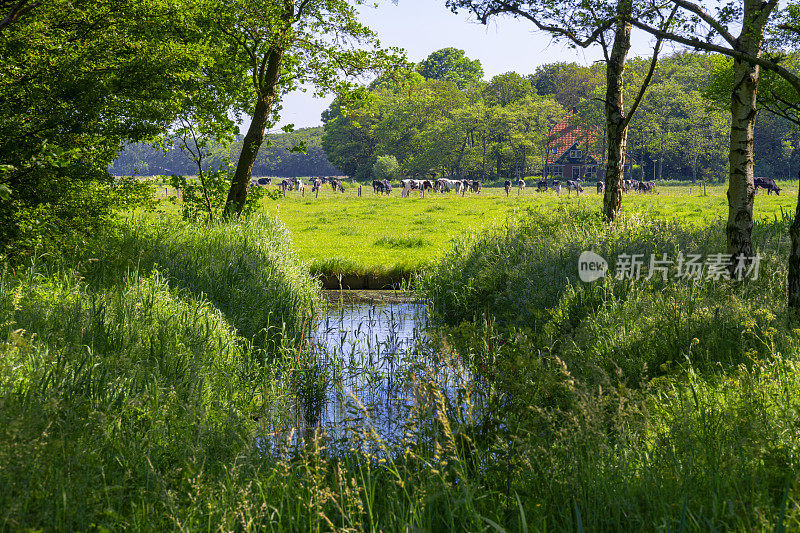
<point>385,167</point>
<point>753,17</point>
<point>281,45</point>
<point>506,88</point>
<point>451,64</point>
<point>585,23</point>
<point>568,83</point>
<point>78,79</point>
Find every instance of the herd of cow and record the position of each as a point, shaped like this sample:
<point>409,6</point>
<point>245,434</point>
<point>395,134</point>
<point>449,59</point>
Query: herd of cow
<point>296,184</point>
<point>464,186</point>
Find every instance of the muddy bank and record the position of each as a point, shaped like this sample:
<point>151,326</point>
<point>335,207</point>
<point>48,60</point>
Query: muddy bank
<point>365,281</point>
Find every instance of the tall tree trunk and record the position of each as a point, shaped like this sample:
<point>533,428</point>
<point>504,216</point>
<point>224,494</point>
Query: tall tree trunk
<point>794,259</point>
<point>267,81</point>
<point>617,127</point>
<point>741,189</point>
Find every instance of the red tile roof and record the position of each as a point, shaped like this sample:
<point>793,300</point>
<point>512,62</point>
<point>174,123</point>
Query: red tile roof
<point>565,134</point>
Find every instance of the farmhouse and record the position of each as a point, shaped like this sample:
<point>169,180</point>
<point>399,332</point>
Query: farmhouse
<point>575,152</point>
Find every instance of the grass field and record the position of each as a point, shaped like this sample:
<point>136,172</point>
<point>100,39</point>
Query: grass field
<point>344,234</point>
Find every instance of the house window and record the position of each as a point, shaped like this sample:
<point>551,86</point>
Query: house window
<point>558,171</point>
<point>576,173</point>
<point>576,154</point>
<point>590,172</point>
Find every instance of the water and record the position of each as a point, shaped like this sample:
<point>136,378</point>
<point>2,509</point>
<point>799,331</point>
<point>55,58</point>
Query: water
<point>377,366</point>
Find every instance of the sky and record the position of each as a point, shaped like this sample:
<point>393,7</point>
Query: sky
<point>424,26</point>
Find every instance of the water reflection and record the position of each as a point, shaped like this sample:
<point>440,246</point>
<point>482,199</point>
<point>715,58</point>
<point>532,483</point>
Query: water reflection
<point>373,366</point>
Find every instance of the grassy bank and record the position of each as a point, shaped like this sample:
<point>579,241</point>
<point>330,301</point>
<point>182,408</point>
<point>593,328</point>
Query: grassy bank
<point>137,392</point>
<point>652,404</point>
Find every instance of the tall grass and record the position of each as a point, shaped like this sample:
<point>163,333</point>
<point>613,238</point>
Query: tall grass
<point>246,268</point>
<point>136,397</point>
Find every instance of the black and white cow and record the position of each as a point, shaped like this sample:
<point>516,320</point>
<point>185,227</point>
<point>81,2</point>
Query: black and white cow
<point>261,182</point>
<point>541,186</point>
<point>557,186</point>
<point>476,186</point>
<point>574,185</point>
<point>768,184</point>
<point>601,187</point>
<point>415,185</point>
<point>520,186</point>
<point>336,185</point>
<point>507,186</point>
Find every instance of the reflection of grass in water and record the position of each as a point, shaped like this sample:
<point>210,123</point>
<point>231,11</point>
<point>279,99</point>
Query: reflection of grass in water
<point>310,380</point>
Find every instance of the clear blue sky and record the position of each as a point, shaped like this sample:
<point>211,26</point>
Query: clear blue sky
<point>424,26</point>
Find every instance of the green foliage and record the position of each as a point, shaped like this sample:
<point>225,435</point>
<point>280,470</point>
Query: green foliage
<point>385,167</point>
<point>202,198</point>
<point>451,64</point>
<point>88,77</point>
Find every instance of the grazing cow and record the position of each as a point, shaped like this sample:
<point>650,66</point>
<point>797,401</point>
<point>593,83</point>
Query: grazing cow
<point>601,187</point>
<point>647,186</point>
<point>520,186</point>
<point>263,181</point>
<point>507,186</point>
<point>557,186</point>
<point>476,186</point>
<point>336,185</point>
<point>768,184</point>
<point>387,187</point>
<point>286,185</point>
<point>574,185</point>
<point>316,183</point>
<point>377,186</point>
<point>416,185</point>
<point>541,186</point>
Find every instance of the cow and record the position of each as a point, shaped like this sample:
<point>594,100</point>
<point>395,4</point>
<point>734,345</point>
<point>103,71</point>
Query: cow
<point>336,185</point>
<point>520,186</point>
<point>476,186</point>
<point>416,185</point>
<point>507,186</point>
<point>541,186</point>
<point>574,185</point>
<point>377,186</point>
<point>626,185</point>
<point>316,184</point>
<point>286,185</point>
<point>411,185</point>
<point>263,181</point>
<point>387,187</point>
<point>557,186</point>
<point>601,187</point>
<point>647,186</point>
<point>768,184</point>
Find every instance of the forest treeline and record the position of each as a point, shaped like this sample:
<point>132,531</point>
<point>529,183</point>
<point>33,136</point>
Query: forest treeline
<point>499,129</point>
<point>443,117</point>
<point>297,153</point>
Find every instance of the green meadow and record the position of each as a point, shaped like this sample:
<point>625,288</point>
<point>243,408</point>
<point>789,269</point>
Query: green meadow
<point>341,233</point>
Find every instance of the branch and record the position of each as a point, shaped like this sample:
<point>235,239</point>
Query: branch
<point>793,80</point>
<point>564,32</point>
<point>18,10</point>
<point>649,77</point>
<point>708,19</point>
